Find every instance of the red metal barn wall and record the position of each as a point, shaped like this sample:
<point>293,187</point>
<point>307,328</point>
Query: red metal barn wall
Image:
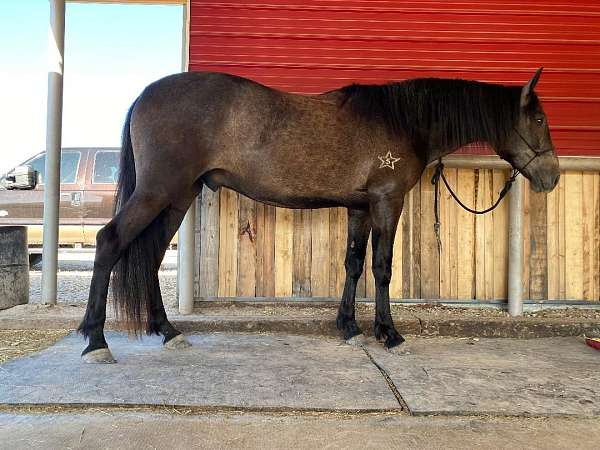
<point>313,46</point>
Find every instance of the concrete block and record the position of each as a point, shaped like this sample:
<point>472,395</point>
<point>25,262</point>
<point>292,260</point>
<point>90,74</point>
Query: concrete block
<point>14,266</point>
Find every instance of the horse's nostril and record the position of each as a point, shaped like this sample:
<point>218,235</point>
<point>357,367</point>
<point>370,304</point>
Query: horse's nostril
<point>556,179</point>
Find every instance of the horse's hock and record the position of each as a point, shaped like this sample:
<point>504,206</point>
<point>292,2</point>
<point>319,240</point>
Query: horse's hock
<point>14,267</point>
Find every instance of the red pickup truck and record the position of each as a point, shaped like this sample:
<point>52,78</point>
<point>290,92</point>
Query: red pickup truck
<point>88,179</point>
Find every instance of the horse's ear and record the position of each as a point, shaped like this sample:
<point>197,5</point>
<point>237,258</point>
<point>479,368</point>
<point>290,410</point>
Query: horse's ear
<point>528,88</point>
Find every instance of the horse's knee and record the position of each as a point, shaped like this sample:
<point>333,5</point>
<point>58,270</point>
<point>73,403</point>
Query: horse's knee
<point>354,268</point>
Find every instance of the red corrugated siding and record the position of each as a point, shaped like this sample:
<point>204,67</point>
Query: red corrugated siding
<point>313,46</point>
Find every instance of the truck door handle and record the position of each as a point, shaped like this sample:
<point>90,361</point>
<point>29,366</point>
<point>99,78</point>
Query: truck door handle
<point>76,198</point>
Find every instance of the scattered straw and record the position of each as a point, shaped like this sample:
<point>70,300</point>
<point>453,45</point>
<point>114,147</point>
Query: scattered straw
<point>19,343</point>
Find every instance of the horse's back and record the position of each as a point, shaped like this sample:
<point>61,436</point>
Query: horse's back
<point>270,145</point>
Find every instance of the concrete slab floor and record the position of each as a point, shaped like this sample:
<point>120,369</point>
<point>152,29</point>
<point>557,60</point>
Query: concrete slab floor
<point>550,376</point>
<point>219,370</point>
<point>107,429</point>
<point>504,377</point>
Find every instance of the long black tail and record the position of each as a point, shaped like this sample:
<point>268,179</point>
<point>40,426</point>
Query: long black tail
<point>135,285</point>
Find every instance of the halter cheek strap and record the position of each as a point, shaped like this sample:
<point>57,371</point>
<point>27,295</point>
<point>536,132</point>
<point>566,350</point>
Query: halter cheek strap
<point>439,173</point>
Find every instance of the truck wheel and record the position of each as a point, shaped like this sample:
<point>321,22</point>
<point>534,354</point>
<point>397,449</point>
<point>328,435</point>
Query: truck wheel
<point>34,258</point>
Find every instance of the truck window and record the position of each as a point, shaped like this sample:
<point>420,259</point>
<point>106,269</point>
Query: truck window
<point>69,163</point>
<point>106,167</point>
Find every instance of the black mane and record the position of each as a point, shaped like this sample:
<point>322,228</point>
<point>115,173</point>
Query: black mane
<point>438,112</point>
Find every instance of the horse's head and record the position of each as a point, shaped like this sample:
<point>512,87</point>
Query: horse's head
<point>529,147</point>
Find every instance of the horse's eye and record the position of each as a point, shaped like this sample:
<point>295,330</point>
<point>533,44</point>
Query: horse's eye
<point>539,120</point>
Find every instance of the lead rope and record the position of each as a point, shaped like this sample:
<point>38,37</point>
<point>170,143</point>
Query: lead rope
<point>439,173</point>
<point>435,180</point>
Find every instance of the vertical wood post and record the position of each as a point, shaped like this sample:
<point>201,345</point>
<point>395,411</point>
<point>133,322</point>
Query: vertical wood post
<point>56,47</point>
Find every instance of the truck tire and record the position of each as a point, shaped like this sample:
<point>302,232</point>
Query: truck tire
<point>34,258</point>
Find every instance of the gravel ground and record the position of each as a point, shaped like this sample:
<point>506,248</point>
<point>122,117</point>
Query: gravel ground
<point>75,274</point>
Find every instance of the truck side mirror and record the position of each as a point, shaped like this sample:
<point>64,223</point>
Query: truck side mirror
<point>22,177</point>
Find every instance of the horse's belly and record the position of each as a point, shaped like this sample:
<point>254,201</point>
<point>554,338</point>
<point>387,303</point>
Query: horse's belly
<point>290,191</point>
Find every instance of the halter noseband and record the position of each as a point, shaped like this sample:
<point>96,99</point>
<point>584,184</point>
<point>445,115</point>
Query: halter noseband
<point>536,153</point>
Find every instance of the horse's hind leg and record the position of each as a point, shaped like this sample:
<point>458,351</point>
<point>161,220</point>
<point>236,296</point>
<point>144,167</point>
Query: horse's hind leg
<point>139,211</point>
<point>173,339</point>
<point>359,227</point>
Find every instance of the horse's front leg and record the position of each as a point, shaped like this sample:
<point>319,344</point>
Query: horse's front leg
<point>385,213</point>
<point>359,227</point>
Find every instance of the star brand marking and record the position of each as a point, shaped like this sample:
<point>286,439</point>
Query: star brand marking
<point>388,161</point>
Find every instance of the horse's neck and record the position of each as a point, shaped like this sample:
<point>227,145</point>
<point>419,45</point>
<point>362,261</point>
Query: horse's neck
<point>437,153</point>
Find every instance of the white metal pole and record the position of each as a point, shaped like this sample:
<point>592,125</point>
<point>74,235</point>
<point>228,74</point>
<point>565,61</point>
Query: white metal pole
<point>186,241</point>
<point>56,45</point>
<point>515,248</point>
<point>186,261</point>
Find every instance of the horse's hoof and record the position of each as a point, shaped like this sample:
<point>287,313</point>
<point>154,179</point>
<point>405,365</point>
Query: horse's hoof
<point>99,356</point>
<point>177,343</point>
<point>391,343</point>
<point>357,341</point>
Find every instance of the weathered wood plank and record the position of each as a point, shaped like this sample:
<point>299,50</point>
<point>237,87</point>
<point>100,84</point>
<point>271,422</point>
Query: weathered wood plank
<point>449,236</point>
<point>208,270</point>
<point>361,285</point>
<point>573,235</point>
<point>265,250</point>
<point>538,254</point>
<point>416,243</point>
<point>429,261</point>
<point>465,234</point>
<point>479,236</point>
<point>596,236</point>
<point>552,231</point>
<point>228,243</point>
<point>302,253</point>
<point>396,282</point>
<point>500,215</point>
<point>197,246</point>
<point>562,292</point>
<point>246,272</point>
<point>488,221</point>
<point>284,240</point>
<point>588,220</point>
<point>343,243</point>
<point>526,241</point>
<point>334,260</point>
<point>319,274</point>
<point>406,225</point>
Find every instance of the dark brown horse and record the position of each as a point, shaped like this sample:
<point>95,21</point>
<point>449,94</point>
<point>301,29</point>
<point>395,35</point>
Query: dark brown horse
<point>361,147</point>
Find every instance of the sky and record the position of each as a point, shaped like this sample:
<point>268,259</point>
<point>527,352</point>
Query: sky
<point>111,53</point>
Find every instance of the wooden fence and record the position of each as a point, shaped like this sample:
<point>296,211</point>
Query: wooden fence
<point>247,249</point>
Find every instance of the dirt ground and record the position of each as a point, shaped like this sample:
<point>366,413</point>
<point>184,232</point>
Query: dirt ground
<point>318,309</point>
<point>18,343</point>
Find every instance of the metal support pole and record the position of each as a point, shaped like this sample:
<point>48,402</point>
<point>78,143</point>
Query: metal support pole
<point>186,261</point>
<point>185,245</point>
<point>515,248</point>
<point>56,46</point>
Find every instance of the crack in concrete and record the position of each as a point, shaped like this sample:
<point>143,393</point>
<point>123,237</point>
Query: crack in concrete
<point>389,382</point>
